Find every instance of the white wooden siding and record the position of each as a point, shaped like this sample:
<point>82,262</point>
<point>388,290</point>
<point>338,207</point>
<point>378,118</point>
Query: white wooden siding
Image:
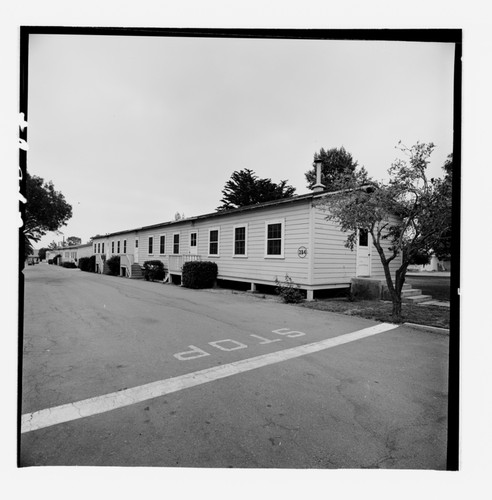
<point>333,262</point>
<point>255,266</point>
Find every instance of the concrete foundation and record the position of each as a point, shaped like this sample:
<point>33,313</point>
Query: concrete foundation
<point>367,288</point>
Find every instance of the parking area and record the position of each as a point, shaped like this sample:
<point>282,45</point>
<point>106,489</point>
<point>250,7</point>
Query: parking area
<point>125,372</point>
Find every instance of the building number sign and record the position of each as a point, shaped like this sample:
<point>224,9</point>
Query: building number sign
<point>302,252</point>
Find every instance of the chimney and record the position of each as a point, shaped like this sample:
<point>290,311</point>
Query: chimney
<point>318,187</point>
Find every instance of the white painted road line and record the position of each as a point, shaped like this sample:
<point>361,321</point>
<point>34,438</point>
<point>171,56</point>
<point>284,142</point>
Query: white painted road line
<point>101,404</point>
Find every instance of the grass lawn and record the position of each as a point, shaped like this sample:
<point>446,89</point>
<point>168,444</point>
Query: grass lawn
<point>381,311</point>
<point>337,301</point>
<point>437,286</point>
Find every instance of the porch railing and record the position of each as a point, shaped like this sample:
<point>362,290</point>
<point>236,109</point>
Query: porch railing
<point>126,260</point>
<point>176,261</point>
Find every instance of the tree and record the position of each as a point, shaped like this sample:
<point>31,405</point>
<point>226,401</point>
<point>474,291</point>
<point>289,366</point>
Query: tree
<point>73,241</point>
<point>46,210</point>
<point>53,245</point>
<point>245,188</point>
<point>178,216</point>
<point>442,248</point>
<point>42,253</point>
<point>335,163</point>
<point>407,216</point>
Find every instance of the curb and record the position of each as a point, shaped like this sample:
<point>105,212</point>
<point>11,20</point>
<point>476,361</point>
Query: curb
<point>435,329</point>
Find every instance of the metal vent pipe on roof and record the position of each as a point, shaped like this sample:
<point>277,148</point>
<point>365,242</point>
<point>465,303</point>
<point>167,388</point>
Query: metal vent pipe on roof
<point>318,186</point>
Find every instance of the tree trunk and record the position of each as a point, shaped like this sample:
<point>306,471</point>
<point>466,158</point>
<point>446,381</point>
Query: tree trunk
<point>393,287</point>
<point>396,313</point>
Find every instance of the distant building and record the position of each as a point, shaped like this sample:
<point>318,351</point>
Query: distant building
<point>69,254</point>
<point>33,258</point>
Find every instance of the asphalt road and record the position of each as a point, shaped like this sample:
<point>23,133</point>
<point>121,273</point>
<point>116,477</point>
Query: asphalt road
<point>376,402</point>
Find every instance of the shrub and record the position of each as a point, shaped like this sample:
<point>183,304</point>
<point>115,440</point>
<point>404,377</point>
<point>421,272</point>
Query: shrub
<point>112,266</point>
<point>154,270</point>
<point>69,265</point>
<point>289,291</point>
<point>88,264</point>
<point>420,257</point>
<point>199,274</point>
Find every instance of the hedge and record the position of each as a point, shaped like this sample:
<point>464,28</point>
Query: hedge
<point>88,264</point>
<point>199,274</point>
<point>69,265</point>
<point>113,265</point>
<point>154,270</point>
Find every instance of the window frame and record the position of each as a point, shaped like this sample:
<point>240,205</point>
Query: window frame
<point>282,238</point>
<point>210,254</point>
<point>124,246</point>
<point>112,247</point>
<point>162,245</point>
<point>363,234</point>
<point>150,245</point>
<point>174,243</point>
<point>240,255</point>
<point>195,234</point>
<point>118,247</point>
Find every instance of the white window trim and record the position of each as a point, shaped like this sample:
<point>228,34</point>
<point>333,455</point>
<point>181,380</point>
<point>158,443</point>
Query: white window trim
<point>196,240</point>
<point>179,244</point>
<point>282,247</point>
<point>218,242</point>
<point>153,244</point>
<point>240,255</point>
<point>165,241</point>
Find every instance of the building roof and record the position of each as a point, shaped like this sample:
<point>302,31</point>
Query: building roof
<point>222,213</point>
<point>71,247</point>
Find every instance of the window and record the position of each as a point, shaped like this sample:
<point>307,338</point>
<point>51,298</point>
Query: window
<point>102,248</point>
<point>162,244</point>
<point>363,238</point>
<point>112,247</point>
<point>274,239</point>
<point>124,246</point>
<point>118,246</point>
<point>176,243</point>
<point>240,240</point>
<point>151,245</point>
<point>136,243</point>
<point>95,248</point>
<point>213,242</point>
<point>193,240</point>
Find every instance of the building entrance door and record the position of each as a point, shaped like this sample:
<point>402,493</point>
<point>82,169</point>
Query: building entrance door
<point>363,253</point>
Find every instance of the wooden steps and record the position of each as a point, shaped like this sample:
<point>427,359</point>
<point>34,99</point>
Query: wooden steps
<point>136,272</point>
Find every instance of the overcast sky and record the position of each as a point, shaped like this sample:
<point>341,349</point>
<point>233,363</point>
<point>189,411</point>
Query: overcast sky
<point>133,129</point>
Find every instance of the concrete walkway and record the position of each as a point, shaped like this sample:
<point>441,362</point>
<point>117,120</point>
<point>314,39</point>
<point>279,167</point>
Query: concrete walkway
<point>440,303</point>
<point>426,274</point>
